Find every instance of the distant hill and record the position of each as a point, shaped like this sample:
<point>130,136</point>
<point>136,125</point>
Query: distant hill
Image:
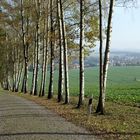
<point>117,58</point>
<point>118,53</point>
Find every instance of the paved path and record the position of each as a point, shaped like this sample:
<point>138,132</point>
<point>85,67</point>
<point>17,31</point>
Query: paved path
<point>21,119</point>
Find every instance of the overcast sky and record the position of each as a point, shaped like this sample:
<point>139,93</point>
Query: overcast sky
<point>126,29</point>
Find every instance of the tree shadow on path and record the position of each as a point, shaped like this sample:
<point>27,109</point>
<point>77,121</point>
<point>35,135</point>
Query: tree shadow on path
<point>66,133</point>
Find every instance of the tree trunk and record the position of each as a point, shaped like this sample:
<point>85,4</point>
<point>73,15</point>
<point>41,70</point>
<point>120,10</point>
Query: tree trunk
<point>17,69</point>
<point>24,83</point>
<point>45,51</point>
<point>6,83</point>
<point>45,69</point>
<point>52,40</point>
<point>14,70</point>
<point>34,92</point>
<point>66,72</point>
<point>43,60</point>
<point>107,50</point>
<point>18,78</point>
<point>61,61</point>
<point>35,86</point>
<point>100,103</point>
<point>81,55</point>
<point>45,56</point>
<point>45,63</point>
<point>33,74</point>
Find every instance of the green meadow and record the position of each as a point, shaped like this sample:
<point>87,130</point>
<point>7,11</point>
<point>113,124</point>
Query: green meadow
<point>123,83</point>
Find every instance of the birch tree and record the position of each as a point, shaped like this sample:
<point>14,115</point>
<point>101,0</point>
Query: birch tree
<point>81,55</point>
<point>52,46</point>
<point>45,48</point>
<point>104,70</point>
<point>37,47</point>
<point>61,53</point>
<point>25,50</point>
<point>100,104</point>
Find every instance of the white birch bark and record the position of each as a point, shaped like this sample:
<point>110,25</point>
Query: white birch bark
<point>52,46</point>
<point>100,103</point>
<point>107,50</point>
<point>66,70</point>
<point>35,85</point>
<point>61,58</point>
<point>81,55</point>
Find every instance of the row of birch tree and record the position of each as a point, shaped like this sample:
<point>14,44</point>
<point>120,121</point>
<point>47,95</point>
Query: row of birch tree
<point>39,34</point>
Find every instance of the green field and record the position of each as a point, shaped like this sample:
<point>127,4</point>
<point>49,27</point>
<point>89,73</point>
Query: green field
<point>123,83</point>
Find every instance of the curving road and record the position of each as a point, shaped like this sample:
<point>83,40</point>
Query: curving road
<point>21,119</point>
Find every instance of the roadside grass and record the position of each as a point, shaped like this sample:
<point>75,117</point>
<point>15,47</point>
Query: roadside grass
<point>121,122</point>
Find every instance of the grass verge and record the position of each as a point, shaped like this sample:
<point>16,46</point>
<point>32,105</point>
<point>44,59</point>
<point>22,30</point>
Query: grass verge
<point>121,122</point>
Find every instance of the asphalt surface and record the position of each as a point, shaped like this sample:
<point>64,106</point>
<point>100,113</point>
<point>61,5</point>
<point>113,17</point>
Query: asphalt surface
<point>21,119</point>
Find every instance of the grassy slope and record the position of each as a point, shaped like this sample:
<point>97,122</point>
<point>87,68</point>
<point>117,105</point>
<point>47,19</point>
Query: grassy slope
<point>122,86</point>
